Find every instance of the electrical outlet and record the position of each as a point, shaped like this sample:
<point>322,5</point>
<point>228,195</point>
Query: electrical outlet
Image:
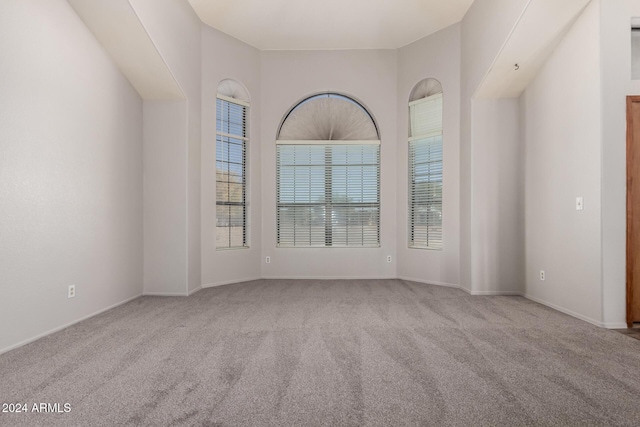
<point>268,260</point>
<point>71,292</point>
<point>579,204</point>
<point>542,275</point>
<point>388,258</point>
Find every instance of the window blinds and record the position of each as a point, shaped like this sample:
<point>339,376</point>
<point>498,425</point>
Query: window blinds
<point>425,173</point>
<point>328,193</point>
<point>231,160</point>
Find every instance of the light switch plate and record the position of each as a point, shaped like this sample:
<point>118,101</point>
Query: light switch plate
<point>579,203</point>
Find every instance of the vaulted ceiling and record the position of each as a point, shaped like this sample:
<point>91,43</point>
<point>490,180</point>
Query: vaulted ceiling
<point>330,24</point>
<point>309,24</point>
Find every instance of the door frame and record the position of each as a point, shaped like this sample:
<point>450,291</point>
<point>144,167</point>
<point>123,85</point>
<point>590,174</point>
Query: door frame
<point>629,241</point>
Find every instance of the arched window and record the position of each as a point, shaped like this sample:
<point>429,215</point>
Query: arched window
<point>328,175</point>
<point>232,112</point>
<point>425,165</point>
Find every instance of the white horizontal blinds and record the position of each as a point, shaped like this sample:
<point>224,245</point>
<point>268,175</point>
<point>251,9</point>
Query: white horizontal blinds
<point>425,173</point>
<point>231,159</point>
<point>328,194</point>
<point>426,117</point>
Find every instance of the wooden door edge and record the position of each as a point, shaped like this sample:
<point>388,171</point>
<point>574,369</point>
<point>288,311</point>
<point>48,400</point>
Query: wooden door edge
<point>628,259</point>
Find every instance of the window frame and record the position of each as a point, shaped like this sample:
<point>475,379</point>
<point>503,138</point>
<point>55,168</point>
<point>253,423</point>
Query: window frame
<point>220,136</point>
<point>328,204</point>
<point>415,242</point>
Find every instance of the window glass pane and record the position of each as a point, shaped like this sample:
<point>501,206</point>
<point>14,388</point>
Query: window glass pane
<point>635,53</point>
<point>425,193</point>
<point>236,226</point>
<point>425,173</point>
<point>230,118</point>
<point>328,194</point>
<point>231,224</point>
<point>222,226</point>
<point>236,192</point>
<point>335,203</point>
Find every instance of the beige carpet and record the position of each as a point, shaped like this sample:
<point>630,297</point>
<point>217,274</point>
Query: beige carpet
<point>358,352</point>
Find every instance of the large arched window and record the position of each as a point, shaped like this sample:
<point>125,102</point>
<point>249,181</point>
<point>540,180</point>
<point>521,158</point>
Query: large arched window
<point>425,165</point>
<point>232,113</point>
<point>328,175</point>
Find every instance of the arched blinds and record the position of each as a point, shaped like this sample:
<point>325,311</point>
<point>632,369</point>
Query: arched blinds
<point>234,90</point>
<point>425,165</point>
<point>328,117</point>
<point>328,175</point>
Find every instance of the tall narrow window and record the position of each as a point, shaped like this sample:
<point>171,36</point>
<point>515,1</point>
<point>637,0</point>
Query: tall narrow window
<point>231,166</point>
<point>635,48</point>
<point>328,175</point>
<point>425,165</point>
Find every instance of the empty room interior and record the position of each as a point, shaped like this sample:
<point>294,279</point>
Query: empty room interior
<point>274,213</point>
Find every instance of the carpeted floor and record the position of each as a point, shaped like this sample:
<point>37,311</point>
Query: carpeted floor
<point>358,352</point>
<point>631,332</point>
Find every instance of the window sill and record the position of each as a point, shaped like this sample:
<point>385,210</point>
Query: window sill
<point>425,249</point>
<point>235,248</point>
<point>327,247</point>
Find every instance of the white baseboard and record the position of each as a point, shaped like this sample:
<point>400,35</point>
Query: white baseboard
<point>165,294</point>
<point>599,324</point>
<point>566,311</point>
<point>66,325</point>
<point>451,285</point>
<point>230,282</point>
<point>496,293</point>
<point>615,325</point>
<point>328,278</point>
<point>172,294</point>
<point>431,282</point>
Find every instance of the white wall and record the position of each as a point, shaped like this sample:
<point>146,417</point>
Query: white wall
<point>70,173</point>
<point>175,30</point>
<point>497,211</point>
<point>370,77</point>
<point>615,39</point>
<point>71,165</point>
<point>225,57</point>
<point>562,141</point>
<point>165,201</point>
<point>484,30</point>
<point>436,56</point>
